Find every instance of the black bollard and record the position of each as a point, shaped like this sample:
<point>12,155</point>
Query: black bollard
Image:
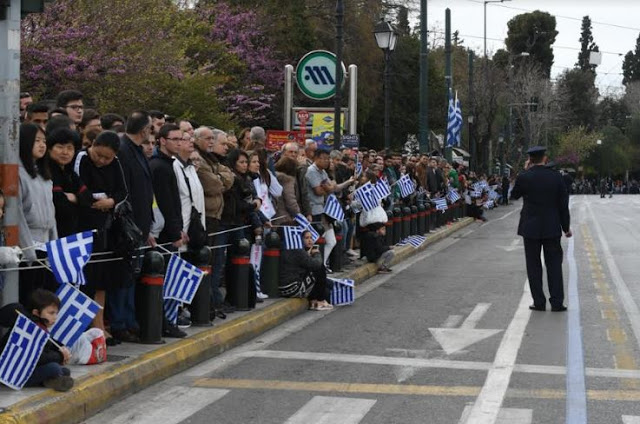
<point>389,228</point>
<point>336,258</point>
<point>414,220</point>
<point>149,299</point>
<point>397,225</point>
<point>270,268</point>
<point>406,222</point>
<point>241,290</point>
<point>321,241</point>
<point>421,219</point>
<point>201,305</point>
<point>433,218</point>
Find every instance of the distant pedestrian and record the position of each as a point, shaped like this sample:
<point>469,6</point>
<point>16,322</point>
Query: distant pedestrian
<point>544,217</point>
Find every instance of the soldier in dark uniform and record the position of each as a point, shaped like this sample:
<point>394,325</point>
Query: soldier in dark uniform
<point>543,219</point>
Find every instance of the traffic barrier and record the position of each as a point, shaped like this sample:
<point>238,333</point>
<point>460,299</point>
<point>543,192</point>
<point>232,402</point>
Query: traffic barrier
<point>397,225</point>
<point>389,229</point>
<point>433,218</point>
<point>336,258</point>
<point>270,268</point>
<point>241,290</point>
<point>414,220</point>
<point>201,304</point>
<point>149,299</point>
<point>406,222</point>
<point>422,217</point>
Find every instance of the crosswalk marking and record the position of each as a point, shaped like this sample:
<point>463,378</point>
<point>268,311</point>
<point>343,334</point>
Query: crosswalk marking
<point>330,410</point>
<point>170,407</point>
<point>629,419</point>
<point>506,415</point>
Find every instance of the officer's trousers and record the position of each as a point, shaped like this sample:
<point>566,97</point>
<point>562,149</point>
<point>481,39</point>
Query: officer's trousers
<point>553,262</point>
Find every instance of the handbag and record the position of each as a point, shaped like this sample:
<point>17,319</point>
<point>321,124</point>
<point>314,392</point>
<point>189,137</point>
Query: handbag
<point>196,232</point>
<point>126,236</point>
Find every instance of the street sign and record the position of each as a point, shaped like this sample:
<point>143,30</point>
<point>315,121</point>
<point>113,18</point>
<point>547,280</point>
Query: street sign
<point>351,141</point>
<point>316,74</point>
<point>303,116</point>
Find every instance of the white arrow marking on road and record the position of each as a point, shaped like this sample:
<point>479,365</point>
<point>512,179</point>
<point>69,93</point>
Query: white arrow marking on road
<point>515,244</point>
<point>454,339</point>
<point>507,415</point>
<point>630,419</point>
<point>329,410</point>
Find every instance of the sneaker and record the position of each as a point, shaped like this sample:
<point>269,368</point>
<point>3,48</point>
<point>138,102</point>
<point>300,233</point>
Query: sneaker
<point>261,295</point>
<point>352,252</point>
<point>185,313</point>
<point>62,383</point>
<point>183,322</point>
<point>172,331</point>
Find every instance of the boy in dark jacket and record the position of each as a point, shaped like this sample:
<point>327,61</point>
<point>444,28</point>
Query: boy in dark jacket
<point>49,372</point>
<point>375,248</point>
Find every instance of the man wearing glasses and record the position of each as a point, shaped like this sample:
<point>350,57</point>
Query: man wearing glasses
<point>71,102</point>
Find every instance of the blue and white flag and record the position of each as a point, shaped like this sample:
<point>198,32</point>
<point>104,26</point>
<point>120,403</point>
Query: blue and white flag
<point>77,310</point>
<point>382,189</point>
<point>22,352</point>
<point>415,241</point>
<point>181,280</point>
<point>333,208</point>
<point>366,196</point>
<point>306,226</point>
<point>453,195</point>
<point>441,204</point>
<point>358,167</point>
<point>489,204</point>
<point>458,122</point>
<point>171,310</point>
<point>451,122</point>
<point>480,185</point>
<point>293,238</point>
<point>68,255</point>
<point>406,186</point>
<point>342,292</point>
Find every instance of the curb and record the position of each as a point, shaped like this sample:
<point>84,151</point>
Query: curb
<point>93,393</point>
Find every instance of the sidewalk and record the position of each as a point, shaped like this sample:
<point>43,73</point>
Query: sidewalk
<point>133,367</point>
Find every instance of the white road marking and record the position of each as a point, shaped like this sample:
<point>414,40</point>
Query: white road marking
<point>331,410</point>
<point>630,419</point>
<point>476,315</point>
<point>507,415</point>
<point>169,407</point>
<point>452,321</point>
<point>626,298</point>
<point>487,406</point>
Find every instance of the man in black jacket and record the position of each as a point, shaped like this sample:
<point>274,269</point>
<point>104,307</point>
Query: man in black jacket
<point>165,184</point>
<point>435,181</point>
<point>543,219</point>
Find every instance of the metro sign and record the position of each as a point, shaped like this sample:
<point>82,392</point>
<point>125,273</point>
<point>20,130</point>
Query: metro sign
<point>316,74</point>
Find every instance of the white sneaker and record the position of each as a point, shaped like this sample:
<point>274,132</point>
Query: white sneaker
<point>261,295</point>
<point>351,252</point>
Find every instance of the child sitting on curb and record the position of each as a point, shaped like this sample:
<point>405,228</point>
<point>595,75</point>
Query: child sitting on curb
<point>375,248</point>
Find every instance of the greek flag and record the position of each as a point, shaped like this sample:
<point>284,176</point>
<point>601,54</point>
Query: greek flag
<point>458,126</point>
<point>415,241</point>
<point>293,238</point>
<point>171,310</point>
<point>493,195</point>
<point>366,196</point>
<point>406,186</point>
<point>306,226</point>
<point>181,280</point>
<point>452,122</point>
<point>358,167</point>
<point>381,189</point>
<point>333,208</point>
<point>22,352</point>
<point>453,196</point>
<point>489,204</point>
<point>441,204</point>
<point>342,292</point>
<point>68,255</point>
<point>480,185</point>
<point>77,311</point>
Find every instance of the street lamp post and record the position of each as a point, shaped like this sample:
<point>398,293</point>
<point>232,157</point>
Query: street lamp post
<point>599,143</point>
<point>386,38</point>
<point>502,155</point>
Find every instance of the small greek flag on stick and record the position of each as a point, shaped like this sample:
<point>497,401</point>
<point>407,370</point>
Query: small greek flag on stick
<point>77,311</point>
<point>22,352</point>
<point>366,196</point>
<point>342,292</point>
<point>382,189</point>
<point>453,196</point>
<point>333,208</point>
<point>68,255</point>
<point>415,241</point>
<point>293,238</point>
<point>171,310</point>
<point>181,280</point>
<point>358,167</point>
<point>406,186</point>
<point>306,226</point>
<point>441,204</point>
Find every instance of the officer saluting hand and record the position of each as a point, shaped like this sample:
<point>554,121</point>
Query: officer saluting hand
<point>543,219</point>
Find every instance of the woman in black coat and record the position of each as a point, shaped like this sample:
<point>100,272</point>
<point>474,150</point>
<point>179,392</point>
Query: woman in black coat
<point>302,274</point>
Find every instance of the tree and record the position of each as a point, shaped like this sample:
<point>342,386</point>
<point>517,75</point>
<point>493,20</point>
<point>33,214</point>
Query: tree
<point>582,95</point>
<point>615,155</point>
<point>576,145</point>
<point>533,33</point>
<point>631,65</point>
<point>587,46</point>
<point>612,111</point>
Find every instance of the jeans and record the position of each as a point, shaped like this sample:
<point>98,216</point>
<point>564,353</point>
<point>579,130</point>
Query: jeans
<point>121,308</point>
<point>219,259</point>
<point>347,233</point>
<point>385,259</point>
<point>41,373</point>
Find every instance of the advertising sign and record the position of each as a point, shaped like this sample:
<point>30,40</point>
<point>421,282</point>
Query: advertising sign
<point>277,138</point>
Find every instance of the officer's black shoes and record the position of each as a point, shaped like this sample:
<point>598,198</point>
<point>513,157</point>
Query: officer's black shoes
<point>560,308</point>
<point>537,308</point>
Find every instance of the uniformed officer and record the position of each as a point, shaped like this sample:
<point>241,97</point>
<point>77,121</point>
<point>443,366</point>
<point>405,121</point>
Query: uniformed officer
<point>543,219</point>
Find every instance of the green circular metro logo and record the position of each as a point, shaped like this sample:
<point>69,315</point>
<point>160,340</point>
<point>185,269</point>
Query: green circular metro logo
<point>316,74</point>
